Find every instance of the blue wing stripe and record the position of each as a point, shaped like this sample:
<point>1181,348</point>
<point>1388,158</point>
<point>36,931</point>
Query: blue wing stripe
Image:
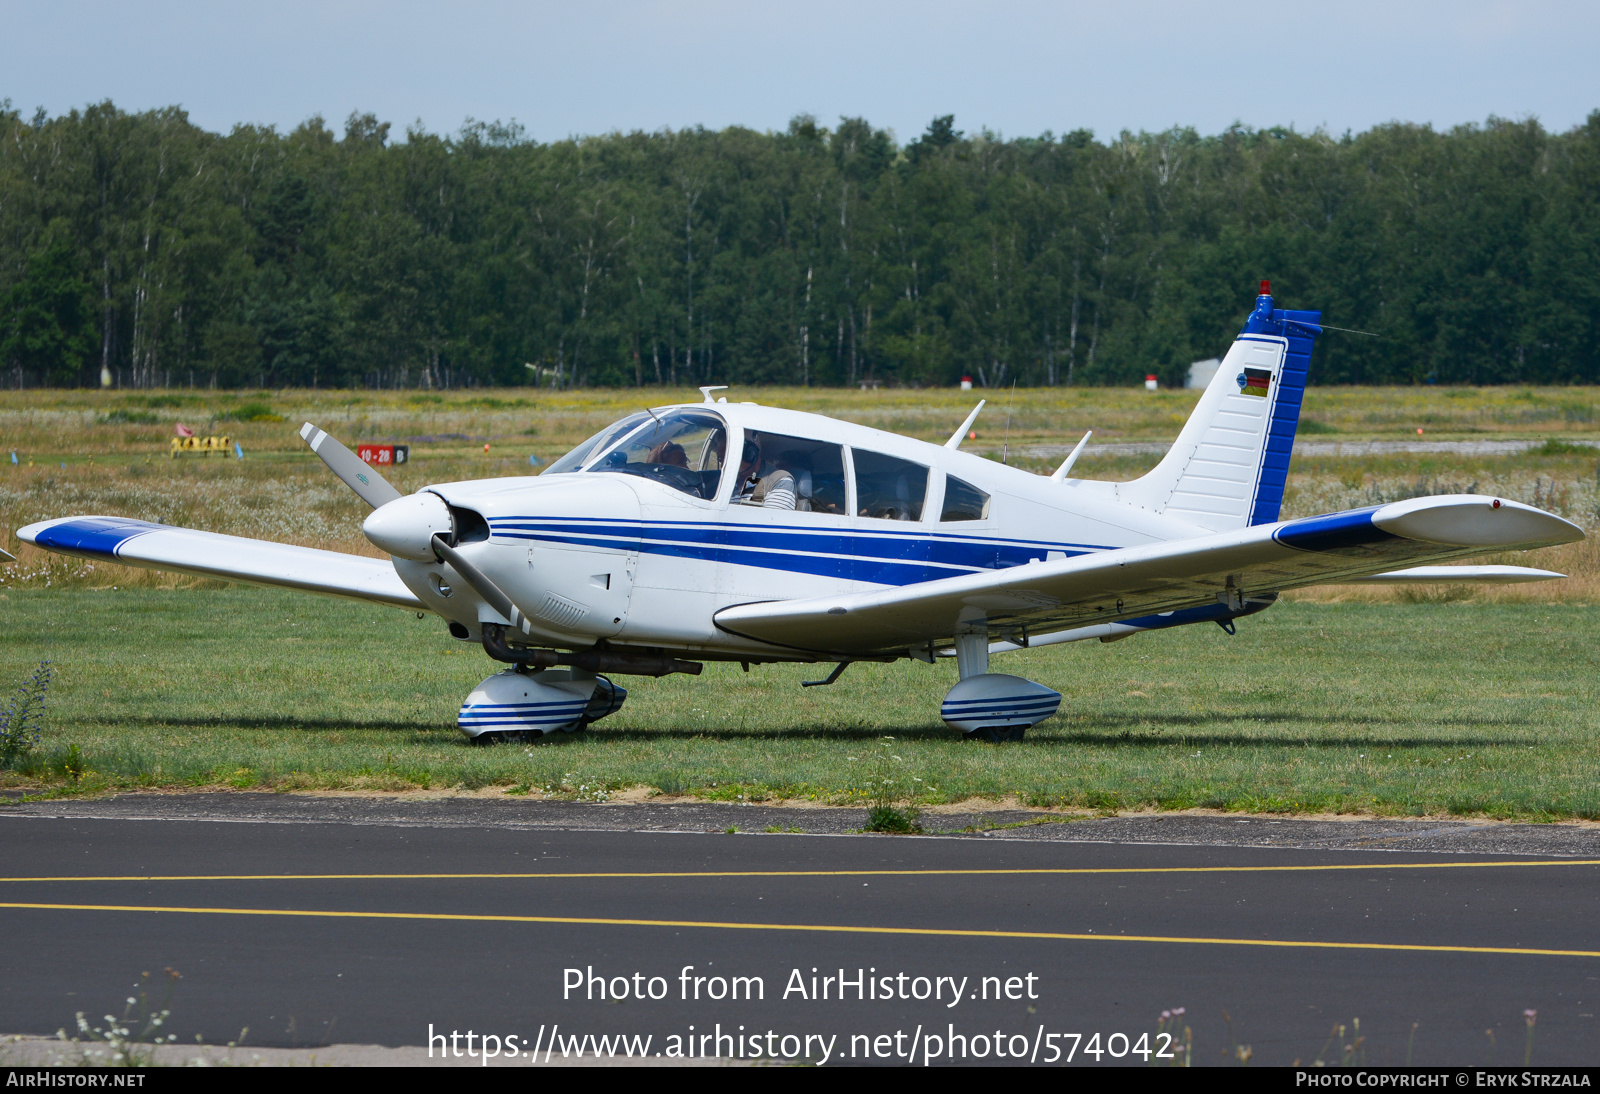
<point>1334,532</point>
<point>98,536</point>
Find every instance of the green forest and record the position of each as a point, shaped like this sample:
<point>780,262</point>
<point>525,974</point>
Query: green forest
<point>173,256</point>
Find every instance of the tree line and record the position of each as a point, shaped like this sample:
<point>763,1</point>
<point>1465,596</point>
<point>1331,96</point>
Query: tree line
<point>167,255</point>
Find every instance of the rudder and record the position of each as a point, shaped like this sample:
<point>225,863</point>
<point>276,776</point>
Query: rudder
<point>1228,467</point>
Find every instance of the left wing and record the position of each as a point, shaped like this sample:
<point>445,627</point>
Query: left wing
<point>233,558</point>
<point>1137,581</point>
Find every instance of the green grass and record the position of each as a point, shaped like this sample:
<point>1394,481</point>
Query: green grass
<point>1436,708</point>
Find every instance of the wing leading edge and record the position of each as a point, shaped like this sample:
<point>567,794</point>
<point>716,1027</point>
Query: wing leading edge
<point>233,558</point>
<point>1138,581</point>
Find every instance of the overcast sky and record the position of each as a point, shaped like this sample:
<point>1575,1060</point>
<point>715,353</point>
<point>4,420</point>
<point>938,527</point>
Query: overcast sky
<point>1017,68</point>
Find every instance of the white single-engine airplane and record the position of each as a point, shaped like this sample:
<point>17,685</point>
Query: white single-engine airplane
<point>739,532</point>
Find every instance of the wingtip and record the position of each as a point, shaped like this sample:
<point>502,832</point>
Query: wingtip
<point>1475,520</point>
<point>30,533</point>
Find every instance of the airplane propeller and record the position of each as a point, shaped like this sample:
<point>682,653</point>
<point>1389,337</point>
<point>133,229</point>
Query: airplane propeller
<point>354,472</point>
<point>492,594</point>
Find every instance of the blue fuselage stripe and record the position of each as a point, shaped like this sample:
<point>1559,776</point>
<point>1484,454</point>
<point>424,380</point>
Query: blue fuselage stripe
<point>878,558</point>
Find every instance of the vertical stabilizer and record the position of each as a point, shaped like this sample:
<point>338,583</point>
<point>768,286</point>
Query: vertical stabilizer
<point>1228,467</point>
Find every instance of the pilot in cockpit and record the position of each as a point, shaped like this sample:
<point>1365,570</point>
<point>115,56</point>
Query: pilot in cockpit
<point>669,452</point>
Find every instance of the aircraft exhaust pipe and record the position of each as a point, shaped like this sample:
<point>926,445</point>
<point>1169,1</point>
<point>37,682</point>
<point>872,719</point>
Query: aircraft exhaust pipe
<point>614,661</point>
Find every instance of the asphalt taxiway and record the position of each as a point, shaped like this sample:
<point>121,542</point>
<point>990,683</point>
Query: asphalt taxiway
<point>313,921</point>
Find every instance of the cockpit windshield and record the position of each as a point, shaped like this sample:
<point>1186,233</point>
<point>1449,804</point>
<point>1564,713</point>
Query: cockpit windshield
<point>683,449</point>
<point>574,460</point>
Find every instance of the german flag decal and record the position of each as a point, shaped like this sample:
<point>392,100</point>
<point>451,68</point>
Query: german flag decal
<point>1254,381</point>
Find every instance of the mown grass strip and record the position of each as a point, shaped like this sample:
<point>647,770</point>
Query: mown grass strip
<point>1427,710</point>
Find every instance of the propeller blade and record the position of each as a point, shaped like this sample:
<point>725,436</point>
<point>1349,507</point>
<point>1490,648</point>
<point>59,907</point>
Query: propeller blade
<point>351,469</point>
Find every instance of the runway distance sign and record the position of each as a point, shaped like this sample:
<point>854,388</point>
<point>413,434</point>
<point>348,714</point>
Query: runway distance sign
<point>383,455</point>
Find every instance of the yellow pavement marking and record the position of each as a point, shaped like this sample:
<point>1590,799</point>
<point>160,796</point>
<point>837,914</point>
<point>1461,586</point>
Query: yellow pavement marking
<point>818,928</point>
<point>828,873</point>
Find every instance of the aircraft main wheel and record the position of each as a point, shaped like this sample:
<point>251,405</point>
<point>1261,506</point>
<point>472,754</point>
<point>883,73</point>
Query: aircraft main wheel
<point>996,734</point>
<point>995,707</point>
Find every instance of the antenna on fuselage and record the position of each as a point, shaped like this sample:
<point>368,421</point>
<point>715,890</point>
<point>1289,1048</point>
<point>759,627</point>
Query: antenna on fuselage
<point>709,388</point>
<point>961,434</point>
<point>1061,472</point>
<point>1005,452</point>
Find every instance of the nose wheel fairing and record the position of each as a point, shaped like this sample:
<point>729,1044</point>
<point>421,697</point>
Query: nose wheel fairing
<point>514,705</point>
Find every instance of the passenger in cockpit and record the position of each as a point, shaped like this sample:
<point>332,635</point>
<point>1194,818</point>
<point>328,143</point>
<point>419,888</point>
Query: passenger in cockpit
<point>798,465</point>
<point>773,490</point>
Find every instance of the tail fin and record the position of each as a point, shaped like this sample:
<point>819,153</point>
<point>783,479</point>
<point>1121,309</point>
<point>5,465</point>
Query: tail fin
<point>1228,467</point>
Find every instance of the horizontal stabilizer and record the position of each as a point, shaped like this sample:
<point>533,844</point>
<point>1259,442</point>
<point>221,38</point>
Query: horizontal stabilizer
<point>1130,583</point>
<point>1454,575</point>
<point>232,558</point>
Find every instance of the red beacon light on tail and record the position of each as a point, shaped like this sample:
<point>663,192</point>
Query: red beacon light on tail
<point>1263,309</point>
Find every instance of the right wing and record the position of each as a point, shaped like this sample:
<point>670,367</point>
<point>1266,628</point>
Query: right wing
<point>1132,582</point>
<point>232,558</point>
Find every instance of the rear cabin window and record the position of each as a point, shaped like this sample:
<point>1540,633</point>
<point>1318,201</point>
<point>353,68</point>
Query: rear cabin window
<point>888,488</point>
<point>683,449</point>
<point>779,472</point>
<point>963,501</point>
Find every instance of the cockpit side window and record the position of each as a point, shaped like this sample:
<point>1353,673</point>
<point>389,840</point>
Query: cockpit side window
<point>963,501</point>
<point>779,472</point>
<point>683,449</point>
<point>575,459</point>
<point>889,488</point>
